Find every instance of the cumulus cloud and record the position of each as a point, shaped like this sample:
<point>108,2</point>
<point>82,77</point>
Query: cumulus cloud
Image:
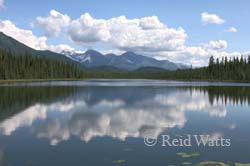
<point>217,45</point>
<point>61,47</point>
<point>146,34</point>
<point>231,29</point>
<point>207,18</point>
<point>53,23</point>
<point>24,36</point>
<point>199,55</point>
<point>151,23</point>
<point>88,30</point>
<point>28,38</point>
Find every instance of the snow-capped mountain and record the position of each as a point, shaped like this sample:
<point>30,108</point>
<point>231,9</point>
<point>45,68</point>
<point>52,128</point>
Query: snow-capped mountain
<point>127,61</point>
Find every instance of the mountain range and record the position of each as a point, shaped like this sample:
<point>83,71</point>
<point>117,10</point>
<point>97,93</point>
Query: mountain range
<point>94,60</point>
<point>127,61</point>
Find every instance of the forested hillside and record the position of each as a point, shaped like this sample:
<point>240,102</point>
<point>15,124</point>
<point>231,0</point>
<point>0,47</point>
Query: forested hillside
<point>35,67</point>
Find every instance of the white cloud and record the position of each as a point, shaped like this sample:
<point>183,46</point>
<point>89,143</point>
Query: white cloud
<point>24,36</point>
<point>53,23</point>
<point>217,45</point>
<point>231,29</point>
<point>87,30</point>
<point>151,23</point>
<point>146,34</point>
<point>28,38</point>
<point>207,18</point>
<point>61,47</point>
<point>199,55</point>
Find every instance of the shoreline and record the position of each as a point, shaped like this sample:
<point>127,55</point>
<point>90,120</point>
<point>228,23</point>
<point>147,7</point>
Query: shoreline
<point>84,79</point>
<point>37,80</point>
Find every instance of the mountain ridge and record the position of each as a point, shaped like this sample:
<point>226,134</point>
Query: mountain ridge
<point>127,61</point>
<point>17,48</point>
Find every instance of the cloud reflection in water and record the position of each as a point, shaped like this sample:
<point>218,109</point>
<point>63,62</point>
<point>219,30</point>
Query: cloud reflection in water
<point>107,112</point>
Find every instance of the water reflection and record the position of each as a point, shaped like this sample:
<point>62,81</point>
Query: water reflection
<point>225,95</point>
<point>59,113</point>
<point>1,156</point>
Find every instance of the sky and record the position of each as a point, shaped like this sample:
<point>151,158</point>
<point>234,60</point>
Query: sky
<point>187,31</point>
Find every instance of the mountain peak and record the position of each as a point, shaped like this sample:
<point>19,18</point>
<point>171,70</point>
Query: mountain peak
<point>92,52</point>
<point>129,53</point>
<point>135,57</point>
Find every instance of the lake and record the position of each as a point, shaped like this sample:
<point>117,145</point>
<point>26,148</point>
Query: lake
<point>117,122</point>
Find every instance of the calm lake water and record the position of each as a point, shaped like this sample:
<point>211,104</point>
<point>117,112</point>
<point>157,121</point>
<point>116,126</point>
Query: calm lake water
<point>104,123</point>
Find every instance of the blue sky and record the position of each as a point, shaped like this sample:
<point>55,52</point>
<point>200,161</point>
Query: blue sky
<point>173,14</point>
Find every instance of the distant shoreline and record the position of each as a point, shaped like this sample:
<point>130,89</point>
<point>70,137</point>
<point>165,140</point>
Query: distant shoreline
<point>84,79</point>
<point>38,80</point>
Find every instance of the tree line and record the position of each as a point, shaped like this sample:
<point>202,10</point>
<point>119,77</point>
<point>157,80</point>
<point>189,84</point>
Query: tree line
<point>38,67</point>
<point>230,69</point>
<point>224,69</point>
<point>35,67</point>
